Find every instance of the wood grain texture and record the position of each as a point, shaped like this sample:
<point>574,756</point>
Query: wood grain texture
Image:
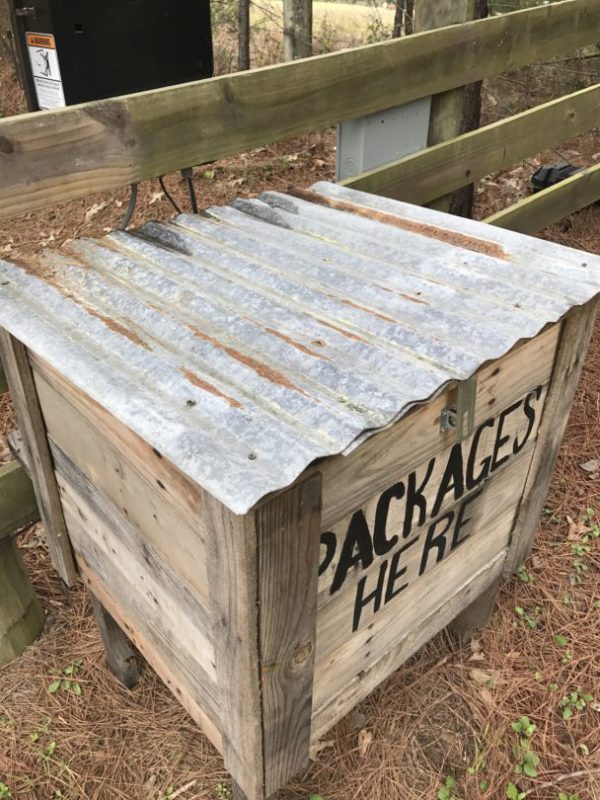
<point>289,529</point>
<point>16,363</point>
<point>476,615</point>
<point>120,656</point>
<point>18,506</point>
<point>577,330</point>
<point>130,474</point>
<point>345,696</point>
<point>233,558</point>
<point>536,212</point>
<point>447,108</point>
<point>351,481</point>
<point>3,381</point>
<point>426,175</point>
<point>56,156</point>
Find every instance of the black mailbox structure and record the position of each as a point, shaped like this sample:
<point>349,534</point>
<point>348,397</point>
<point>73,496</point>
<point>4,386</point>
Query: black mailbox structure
<point>72,51</point>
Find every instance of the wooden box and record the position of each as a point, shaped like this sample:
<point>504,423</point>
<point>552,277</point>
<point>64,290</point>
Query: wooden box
<point>294,439</point>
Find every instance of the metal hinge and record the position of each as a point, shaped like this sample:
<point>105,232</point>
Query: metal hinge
<point>460,417</point>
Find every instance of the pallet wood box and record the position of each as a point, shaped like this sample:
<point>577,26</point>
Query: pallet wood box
<point>296,437</point>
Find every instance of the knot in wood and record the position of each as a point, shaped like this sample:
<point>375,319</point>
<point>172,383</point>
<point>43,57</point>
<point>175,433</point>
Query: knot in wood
<point>303,652</point>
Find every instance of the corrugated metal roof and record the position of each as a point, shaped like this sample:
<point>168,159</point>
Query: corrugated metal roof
<point>248,342</point>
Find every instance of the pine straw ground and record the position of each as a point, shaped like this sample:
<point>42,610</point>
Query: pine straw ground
<point>447,712</point>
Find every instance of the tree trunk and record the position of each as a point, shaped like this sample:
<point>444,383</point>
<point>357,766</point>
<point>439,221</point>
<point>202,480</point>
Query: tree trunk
<point>243,35</point>
<point>21,616</point>
<point>297,29</point>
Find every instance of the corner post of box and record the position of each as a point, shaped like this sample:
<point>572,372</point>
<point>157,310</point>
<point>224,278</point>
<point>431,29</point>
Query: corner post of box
<point>576,332</point>
<point>29,415</point>
<point>265,570</point>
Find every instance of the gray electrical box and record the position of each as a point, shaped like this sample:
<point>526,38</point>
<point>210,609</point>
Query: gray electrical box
<point>370,142</point>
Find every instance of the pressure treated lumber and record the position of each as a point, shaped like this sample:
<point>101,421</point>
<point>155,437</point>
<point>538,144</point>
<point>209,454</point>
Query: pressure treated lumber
<point>21,616</point>
<point>55,156</point>
<point>31,423</point>
<point>551,205</point>
<point>576,333</point>
<point>120,656</point>
<point>18,506</point>
<point>428,174</point>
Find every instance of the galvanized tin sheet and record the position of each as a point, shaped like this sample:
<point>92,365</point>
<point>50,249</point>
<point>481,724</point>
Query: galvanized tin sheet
<point>246,343</point>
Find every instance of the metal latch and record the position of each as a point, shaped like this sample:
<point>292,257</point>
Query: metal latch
<point>460,417</point>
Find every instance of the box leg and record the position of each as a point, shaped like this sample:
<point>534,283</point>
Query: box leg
<point>476,615</point>
<point>120,655</point>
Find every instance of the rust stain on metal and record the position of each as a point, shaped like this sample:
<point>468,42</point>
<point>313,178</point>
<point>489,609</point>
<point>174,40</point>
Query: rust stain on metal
<point>409,297</point>
<point>347,302</point>
<point>348,334</point>
<point>261,369</point>
<point>117,327</point>
<point>424,229</point>
<point>208,387</point>
<point>297,345</point>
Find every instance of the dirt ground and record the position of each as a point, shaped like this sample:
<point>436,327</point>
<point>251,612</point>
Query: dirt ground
<point>448,713</point>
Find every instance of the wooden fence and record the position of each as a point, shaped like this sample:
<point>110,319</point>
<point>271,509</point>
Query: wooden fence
<point>56,156</point>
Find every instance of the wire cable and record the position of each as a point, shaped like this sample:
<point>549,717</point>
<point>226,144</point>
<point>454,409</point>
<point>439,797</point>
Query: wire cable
<point>131,207</point>
<point>188,175</point>
<point>168,195</point>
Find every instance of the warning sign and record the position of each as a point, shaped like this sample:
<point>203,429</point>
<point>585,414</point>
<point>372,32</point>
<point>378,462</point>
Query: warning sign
<point>46,70</point>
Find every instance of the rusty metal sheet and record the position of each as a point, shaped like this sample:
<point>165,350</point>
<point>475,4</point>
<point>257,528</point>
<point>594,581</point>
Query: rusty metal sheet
<point>250,341</point>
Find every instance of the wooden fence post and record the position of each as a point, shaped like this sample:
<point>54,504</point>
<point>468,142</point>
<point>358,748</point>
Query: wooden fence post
<point>297,29</point>
<point>21,616</point>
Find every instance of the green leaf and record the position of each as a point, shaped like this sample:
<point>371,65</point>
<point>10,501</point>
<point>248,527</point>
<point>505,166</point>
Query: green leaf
<point>561,640</point>
<point>530,771</point>
<point>584,749</point>
<point>567,713</point>
<point>69,670</point>
<point>76,689</point>
<point>483,785</point>
<point>539,676</point>
<point>64,684</point>
<point>512,792</point>
<point>553,687</point>
<point>54,687</point>
<point>444,793</point>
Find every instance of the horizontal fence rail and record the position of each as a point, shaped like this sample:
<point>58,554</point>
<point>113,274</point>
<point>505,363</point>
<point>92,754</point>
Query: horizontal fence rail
<point>535,213</point>
<point>56,156</point>
<point>436,171</point>
<point>18,506</point>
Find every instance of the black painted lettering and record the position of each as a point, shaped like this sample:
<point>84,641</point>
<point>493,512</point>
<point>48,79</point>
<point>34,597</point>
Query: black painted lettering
<point>357,549</point>
<point>530,413</point>
<point>502,440</point>
<point>452,481</point>
<point>437,540</point>
<point>381,544</point>
<point>395,574</point>
<point>460,534</point>
<point>416,500</point>
<point>375,597</point>
<point>470,479</point>
<point>329,542</point>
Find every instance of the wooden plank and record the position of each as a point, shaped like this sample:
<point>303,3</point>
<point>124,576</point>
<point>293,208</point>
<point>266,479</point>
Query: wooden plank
<point>233,553</point>
<point>536,212</point>
<point>350,481</point>
<point>3,381</point>
<point>31,423</point>
<point>18,506</point>
<point>21,616</point>
<point>447,108</point>
<point>424,176</point>
<point>120,656</point>
<point>133,570</point>
<point>135,479</point>
<point>288,552</point>
<point>397,592</point>
<point>476,615</point>
<point>346,696</point>
<point>577,330</point>
<point>121,141</point>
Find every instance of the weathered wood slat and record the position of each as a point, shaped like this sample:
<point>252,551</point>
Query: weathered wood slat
<point>348,695</point>
<point>120,656</point>
<point>21,616</point>
<point>577,330</point>
<point>351,481</point>
<point>428,174</point>
<point>3,381</point>
<point>128,476</point>
<point>18,506</point>
<point>545,208</point>
<point>289,530</point>
<point>121,141</point>
<point>31,423</point>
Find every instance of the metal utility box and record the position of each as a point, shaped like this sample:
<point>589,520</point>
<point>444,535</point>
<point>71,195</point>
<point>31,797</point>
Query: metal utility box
<point>72,51</point>
<point>296,437</point>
